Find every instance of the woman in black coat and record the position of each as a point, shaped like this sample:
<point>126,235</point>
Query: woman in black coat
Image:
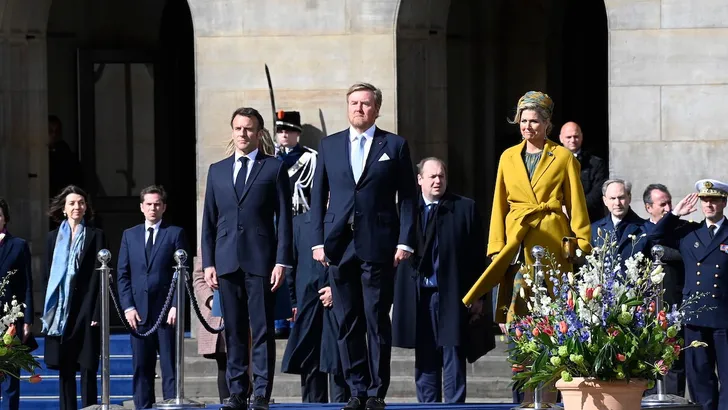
<point>71,309</point>
<point>15,260</point>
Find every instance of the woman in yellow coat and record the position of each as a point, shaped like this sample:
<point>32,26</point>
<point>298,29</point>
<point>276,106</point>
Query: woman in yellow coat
<point>538,200</point>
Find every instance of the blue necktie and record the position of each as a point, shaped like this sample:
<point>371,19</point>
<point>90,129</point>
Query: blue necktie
<point>358,158</point>
<point>240,180</point>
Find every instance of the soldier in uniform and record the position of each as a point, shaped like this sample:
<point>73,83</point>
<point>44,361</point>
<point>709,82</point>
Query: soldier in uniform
<point>704,248</point>
<point>300,160</point>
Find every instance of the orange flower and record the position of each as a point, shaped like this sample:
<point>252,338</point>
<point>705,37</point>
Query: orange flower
<point>518,368</point>
<point>519,333</point>
<point>570,302</point>
<point>536,332</point>
<point>11,330</point>
<point>35,378</point>
<point>621,357</point>
<point>563,327</point>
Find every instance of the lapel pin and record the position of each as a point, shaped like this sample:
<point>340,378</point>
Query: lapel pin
<point>697,245</point>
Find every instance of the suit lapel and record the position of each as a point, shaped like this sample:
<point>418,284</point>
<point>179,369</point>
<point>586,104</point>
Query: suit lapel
<point>257,165</point>
<point>157,243</point>
<point>378,143</point>
<point>720,237</point>
<point>521,174</point>
<point>629,230</point>
<point>346,145</point>
<point>90,235</point>
<point>5,250</point>
<point>547,158</point>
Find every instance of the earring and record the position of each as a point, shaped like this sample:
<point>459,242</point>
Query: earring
<point>64,214</point>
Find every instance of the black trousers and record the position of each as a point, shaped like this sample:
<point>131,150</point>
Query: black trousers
<point>67,383</point>
<point>363,294</point>
<point>315,384</point>
<point>248,303</point>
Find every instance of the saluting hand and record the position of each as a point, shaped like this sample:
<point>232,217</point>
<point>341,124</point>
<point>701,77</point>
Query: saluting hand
<point>686,206</point>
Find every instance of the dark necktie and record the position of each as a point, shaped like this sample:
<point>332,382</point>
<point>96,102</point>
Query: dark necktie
<point>430,211</point>
<point>240,180</point>
<point>150,242</point>
<point>711,231</point>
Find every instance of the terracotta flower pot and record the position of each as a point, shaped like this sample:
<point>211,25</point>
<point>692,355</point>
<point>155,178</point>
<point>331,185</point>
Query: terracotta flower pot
<point>594,394</point>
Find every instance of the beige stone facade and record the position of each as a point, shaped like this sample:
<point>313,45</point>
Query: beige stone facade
<point>441,66</point>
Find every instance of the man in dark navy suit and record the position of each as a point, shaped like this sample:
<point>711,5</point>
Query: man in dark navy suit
<point>246,246</point>
<point>429,315</point>
<point>704,248</point>
<point>369,175</point>
<point>622,226</point>
<point>144,271</point>
<point>15,261</point>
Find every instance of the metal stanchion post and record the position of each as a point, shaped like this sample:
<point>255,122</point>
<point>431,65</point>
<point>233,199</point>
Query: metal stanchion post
<point>538,253</point>
<point>180,402</point>
<point>104,256</point>
<point>661,399</point>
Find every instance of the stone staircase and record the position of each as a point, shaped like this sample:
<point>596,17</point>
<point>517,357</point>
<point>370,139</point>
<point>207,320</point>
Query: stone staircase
<point>488,378</point>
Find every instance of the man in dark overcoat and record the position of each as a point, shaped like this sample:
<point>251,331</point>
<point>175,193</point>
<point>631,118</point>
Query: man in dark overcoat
<point>428,313</point>
<point>311,350</point>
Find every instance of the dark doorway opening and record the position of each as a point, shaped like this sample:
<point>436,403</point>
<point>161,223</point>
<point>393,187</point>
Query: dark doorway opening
<point>132,87</point>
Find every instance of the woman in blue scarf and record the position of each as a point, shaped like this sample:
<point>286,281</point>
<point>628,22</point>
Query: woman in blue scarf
<point>71,309</point>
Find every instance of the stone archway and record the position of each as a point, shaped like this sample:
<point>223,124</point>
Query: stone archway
<point>460,71</point>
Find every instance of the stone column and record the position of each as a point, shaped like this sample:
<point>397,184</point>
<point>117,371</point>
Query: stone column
<point>667,92</point>
<point>23,152</point>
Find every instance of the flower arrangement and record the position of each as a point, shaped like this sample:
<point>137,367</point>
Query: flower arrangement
<point>14,356</point>
<point>603,321</point>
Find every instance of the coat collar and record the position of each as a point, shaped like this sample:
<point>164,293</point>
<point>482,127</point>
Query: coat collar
<point>6,249</point>
<point>544,163</point>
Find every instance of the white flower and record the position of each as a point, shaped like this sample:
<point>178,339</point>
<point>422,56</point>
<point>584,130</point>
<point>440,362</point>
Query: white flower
<point>657,274</point>
<point>579,253</point>
<point>522,293</point>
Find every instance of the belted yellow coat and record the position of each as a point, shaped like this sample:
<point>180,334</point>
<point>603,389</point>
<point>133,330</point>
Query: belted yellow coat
<point>537,212</point>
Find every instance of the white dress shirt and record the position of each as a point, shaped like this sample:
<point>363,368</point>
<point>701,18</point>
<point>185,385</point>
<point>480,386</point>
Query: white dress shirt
<point>615,220</point>
<point>354,140</point>
<point>237,164</point>
<point>717,225</point>
<point>147,225</point>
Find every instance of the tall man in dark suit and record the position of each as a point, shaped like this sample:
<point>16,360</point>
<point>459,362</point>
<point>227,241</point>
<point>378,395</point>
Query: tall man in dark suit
<point>622,226</point>
<point>428,312</point>
<point>658,203</point>
<point>363,237</point>
<point>145,270</point>
<point>246,246</point>
<point>704,248</point>
<point>593,169</point>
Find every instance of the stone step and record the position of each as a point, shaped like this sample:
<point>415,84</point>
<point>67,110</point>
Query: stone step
<point>285,387</point>
<point>129,404</point>
<point>489,365</point>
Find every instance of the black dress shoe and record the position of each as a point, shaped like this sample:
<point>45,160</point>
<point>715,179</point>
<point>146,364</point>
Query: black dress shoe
<point>375,403</point>
<point>235,402</point>
<point>259,403</point>
<point>354,403</point>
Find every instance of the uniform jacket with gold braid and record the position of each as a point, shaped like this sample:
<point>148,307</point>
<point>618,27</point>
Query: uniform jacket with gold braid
<point>531,213</point>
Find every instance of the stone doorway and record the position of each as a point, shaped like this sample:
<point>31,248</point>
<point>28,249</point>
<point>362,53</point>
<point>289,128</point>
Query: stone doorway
<point>462,65</point>
<point>125,95</point>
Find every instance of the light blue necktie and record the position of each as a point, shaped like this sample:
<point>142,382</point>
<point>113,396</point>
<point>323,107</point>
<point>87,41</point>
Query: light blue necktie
<point>358,159</point>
